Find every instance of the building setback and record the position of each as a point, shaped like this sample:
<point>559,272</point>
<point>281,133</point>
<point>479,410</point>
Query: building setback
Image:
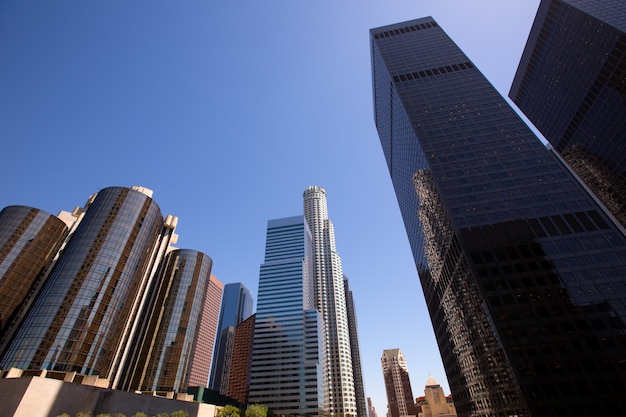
<point>339,383</point>
<point>571,84</point>
<point>522,271</point>
<point>400,401</point>
<point>286,369</point>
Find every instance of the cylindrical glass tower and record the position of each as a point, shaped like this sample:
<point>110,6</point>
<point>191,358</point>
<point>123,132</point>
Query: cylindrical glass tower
<point>168,344</point>
<point>79,320</point>
<point>29,241</point>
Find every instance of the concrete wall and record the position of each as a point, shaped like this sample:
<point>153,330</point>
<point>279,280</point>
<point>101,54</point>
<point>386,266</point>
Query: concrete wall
<point>45,397</point>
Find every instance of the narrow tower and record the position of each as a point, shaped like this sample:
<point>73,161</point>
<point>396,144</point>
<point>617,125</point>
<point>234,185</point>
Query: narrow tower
<point>236,307</point>
<point>400,401</point>
<point>331,302</point>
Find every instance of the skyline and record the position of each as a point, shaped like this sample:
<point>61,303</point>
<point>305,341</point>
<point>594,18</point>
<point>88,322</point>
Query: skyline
<point>158,102</point>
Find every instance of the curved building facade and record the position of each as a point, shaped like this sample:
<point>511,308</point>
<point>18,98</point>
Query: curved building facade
<point>80,320</point>
<point>29,241</point>
<point>330,294</point>
<point>168,343</point>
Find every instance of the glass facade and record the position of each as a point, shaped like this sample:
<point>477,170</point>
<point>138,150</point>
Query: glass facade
<point>168,342</point>
<point>571,85</point>
<point>29,240</point>
<point>522,272</point>
<point>286,368</point>
<point>79,321</point>
<point>359,388</point>
<point>237,306</point>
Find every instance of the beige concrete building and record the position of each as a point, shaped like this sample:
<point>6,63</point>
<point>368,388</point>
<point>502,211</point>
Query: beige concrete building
<point>434,403</point>
<point>50,394</point>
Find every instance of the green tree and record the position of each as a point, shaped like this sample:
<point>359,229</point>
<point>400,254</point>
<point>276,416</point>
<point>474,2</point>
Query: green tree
<point>139,414</point>
<point>229,411</point>
<point>179,413</point>
<point>256,410</point>
<point>64,415</point>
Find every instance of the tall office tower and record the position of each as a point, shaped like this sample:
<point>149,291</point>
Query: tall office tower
<point>338,373</point>
<point>359,388</point>
<point>400,401</point>
<point>236,307</point>
<point>239,378</point>
<point>286,370</point>
<point>29,240</point>
<point>203,352</point>
<point>522,272</point>
<point>570,84</point>
<point>371,410</point>
<point>168,342</point>
<point>84,315</point>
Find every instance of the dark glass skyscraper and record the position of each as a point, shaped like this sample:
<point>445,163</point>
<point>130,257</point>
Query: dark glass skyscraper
<point>359,387</point>
<point>571,83</point>
<point>236,307</point>
<point>523,273</point>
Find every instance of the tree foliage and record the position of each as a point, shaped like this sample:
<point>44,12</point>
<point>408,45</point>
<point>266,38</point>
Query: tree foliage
<point>256,410</point>
<point>229,411</point>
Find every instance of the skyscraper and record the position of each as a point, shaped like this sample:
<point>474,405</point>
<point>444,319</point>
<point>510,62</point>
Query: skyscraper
<point>400,401</point>
<point>239,378</point>
<point>371,410</point>
<point>359,387</point>
<point>522,271</point>
<point>236,307</point>
<point>203,353</point>
<point>29,241</point>
<point>286,369</point>
<point>571,84</point>
<point>330,295</point>
<point>85,314</point>
<point>168,342</point>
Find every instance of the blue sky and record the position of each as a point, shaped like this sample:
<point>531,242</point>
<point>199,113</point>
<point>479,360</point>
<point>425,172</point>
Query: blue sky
<point>228,111</point>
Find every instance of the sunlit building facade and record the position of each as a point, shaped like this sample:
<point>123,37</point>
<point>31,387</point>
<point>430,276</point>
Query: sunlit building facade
<point>571,85</point>
<point>168,342</point>
<point>522,271</point>
<point>339,382</point>
<point>85,314</point>
<point>400,401</point>
<point>239,378</point>
<point>203,352</point>
<point>29,240</point>
<point>286,368</point>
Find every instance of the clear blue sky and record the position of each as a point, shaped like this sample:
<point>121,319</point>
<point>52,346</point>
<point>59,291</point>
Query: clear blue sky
<point>228,110</point>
